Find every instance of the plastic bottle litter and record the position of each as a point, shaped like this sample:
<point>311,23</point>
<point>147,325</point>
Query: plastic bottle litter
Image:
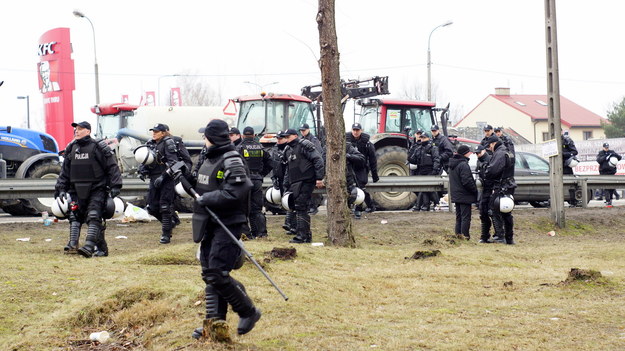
<point>316,244</point>
<point>46,218</point>
<point>101,337</point>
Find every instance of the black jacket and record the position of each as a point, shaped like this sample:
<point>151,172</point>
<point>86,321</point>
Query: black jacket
<point>603,159</point>
<point>371,163</point>
<point>166,156</point>
<point>461,183</point>
<point>354,159</point>
<point>568,150</point>
<point>304,163</point>
<point>427,159</point>
<point>445,149</point>
<point>105,158</point>
<point>500,169</point>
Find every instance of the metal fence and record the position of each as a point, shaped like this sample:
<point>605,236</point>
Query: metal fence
<point>41,188</point>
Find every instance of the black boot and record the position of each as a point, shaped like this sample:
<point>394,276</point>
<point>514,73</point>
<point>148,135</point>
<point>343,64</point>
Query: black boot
<point>166,225</point>
<point>485,236</point>
<point>74,235</point>
<point>303,229</point>
<point>102,249</point>
<point>93,231</point>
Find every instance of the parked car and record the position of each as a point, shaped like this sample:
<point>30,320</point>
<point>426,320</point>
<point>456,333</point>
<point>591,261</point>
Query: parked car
<point>529,164</point>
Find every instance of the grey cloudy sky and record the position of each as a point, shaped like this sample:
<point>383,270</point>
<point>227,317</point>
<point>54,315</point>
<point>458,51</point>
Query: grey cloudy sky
<point>492,43</point>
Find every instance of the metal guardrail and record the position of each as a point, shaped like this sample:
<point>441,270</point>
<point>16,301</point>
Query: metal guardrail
<point>37,188</point>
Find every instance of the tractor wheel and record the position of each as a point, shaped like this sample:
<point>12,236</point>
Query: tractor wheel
<point>392,162</point>
<point>48,170</point>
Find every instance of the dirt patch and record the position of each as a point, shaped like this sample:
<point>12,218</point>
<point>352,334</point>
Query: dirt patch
<point>584,275</point>
<point>419,255</point>
<point>284,253</point>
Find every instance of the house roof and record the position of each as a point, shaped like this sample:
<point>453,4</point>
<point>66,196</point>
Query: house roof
<point>536,107</point>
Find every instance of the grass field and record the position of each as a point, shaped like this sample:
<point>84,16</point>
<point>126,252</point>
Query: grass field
<point>374,297</point>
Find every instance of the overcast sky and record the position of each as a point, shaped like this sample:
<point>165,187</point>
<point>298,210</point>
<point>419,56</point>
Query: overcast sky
<point>492,43</point>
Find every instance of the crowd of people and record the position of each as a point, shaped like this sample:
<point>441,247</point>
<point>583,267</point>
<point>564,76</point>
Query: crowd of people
<point>227,182</point>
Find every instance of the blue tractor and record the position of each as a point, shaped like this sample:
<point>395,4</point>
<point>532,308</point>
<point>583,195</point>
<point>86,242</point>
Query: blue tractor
<point>26,153</point>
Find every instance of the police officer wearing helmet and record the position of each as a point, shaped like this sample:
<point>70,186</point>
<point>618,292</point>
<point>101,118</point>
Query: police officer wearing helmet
<point>500,172</point>
<point>606,158</point>
<point>224,186</point>
<point>304,171</point>
<point>259,164</point>
<point>361,141</point>
<point>89,173</point>
<point>161,192</point>
<point>569,153</point>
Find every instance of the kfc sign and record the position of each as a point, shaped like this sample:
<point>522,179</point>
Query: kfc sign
<point>46,49</point>
<point>56,82</point>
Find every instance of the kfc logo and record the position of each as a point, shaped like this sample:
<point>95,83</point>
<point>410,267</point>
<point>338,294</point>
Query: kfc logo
<point>46,49</point>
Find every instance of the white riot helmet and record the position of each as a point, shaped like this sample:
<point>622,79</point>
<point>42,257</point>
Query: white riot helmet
<point>180,191</point>
<point>412,166</point>
<point>288,201</point>
<point>571,162</point>
<point>115,208</point>
<point>273,195</point>
<point>144,155</point>
<point>506,203</point>
<point>60,206</point>
<point>359,196</point>
<point>613,161</point>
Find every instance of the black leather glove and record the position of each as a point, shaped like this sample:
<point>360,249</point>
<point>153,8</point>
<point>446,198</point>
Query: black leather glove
<point>202,200</point>
<point>115,191</point>
<point>158,182</point>
<point>142,177</point>
<point>376,178</point>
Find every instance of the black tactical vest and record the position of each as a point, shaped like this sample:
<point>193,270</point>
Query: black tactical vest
<point>84,167</point>
<point>253,154</point>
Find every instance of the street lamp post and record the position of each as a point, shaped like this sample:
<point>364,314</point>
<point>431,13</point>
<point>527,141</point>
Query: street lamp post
<point>430,59</point>
<point>27,97</point>
<point>159,85</point>
<point>95,57</point>
<point>260,86</point>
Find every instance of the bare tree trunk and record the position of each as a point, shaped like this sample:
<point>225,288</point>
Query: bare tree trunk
<point>339,218</point>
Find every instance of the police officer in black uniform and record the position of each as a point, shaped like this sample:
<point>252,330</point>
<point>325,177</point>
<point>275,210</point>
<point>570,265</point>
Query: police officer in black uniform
<point>412,166</point>
<point>235,136</point>
<point>316,199</point>
<point>483,158</point>
<point>506,140</point>
<point>161,192</point>
<point>224,185</point>
<point>445,149</point>
<point>305,171</point>
<point>500,172</point>
<point>569,151</point>
<point>259,165</point>
<point>88,174</point>
<point>360,140</point>
<point>279,165</point>
<point>427,159</point>
<point>607,167</point>
<point>353,159</point>
<point>488,132</point>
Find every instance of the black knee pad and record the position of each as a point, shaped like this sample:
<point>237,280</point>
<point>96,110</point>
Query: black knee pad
<point>165,210</point>
<point>215,277</point>
<point>94,217</point>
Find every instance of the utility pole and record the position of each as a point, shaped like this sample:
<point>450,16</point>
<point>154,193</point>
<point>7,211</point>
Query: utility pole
<point>555,129</point>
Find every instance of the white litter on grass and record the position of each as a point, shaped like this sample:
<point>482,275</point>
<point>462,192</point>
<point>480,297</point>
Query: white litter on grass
<point>121,237</point>
<point>551,233</point>
<point>48,240</point>
<point>384,221</point>
<point>554,318</point>
<point>316,244</point>
<point>23,239</point>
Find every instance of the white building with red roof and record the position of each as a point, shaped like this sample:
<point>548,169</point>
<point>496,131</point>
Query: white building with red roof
<point>528,114</point>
